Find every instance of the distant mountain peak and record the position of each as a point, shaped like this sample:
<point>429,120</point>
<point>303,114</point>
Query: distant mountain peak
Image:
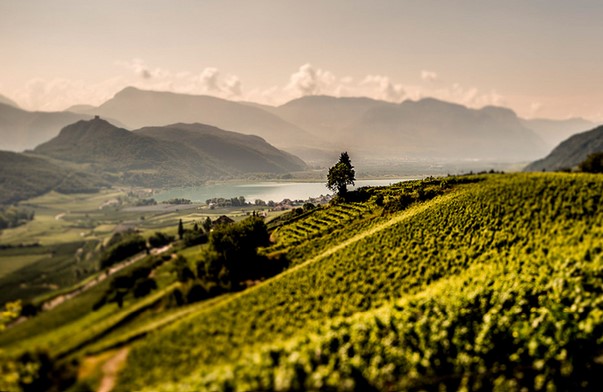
<point>8,101</point>
<point>325,99</point>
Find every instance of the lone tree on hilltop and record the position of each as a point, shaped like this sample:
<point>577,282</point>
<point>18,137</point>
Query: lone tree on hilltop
<point>341,175</point>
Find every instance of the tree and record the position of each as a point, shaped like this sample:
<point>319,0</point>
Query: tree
<point>593,163</point>
<point>207,224</point>
<point>180,229</point>
<point>341,175</point>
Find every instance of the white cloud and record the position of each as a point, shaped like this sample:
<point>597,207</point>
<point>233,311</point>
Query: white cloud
<point>58,94</point>
<point>311,81</point>
<point>209,79</point>
<point>535,108</point>
<point>468,96</point>
<point>429,76</point>
<point>385,88</point>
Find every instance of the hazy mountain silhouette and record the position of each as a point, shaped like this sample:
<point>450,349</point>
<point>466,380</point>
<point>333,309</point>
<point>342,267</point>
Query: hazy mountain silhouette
<point>554,132</point>
<point>230,150</point>
<point>172,156</point>
<point>80,109</point>
<point>138,108</point>
<point>571,152</point>
<point>318,127</point>
<point>428,128</point>
<point>7,101</point>
<point>322,115</point>
<point>438,129</point>
<point>21,129</point>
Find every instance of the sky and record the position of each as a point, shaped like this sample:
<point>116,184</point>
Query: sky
<point>541,58</point>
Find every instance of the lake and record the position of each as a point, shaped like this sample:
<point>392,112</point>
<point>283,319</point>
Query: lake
<point>275,191</point>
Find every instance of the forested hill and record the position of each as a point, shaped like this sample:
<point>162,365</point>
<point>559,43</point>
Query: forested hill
<point>235,151</point>
<point>435,284</point>
<point>24,176</point>
<point>571,152</point>
<point>176,155</point>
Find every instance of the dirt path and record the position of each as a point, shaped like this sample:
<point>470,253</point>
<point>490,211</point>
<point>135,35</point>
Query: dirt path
<point>56,301</point>
<point>111,368</point>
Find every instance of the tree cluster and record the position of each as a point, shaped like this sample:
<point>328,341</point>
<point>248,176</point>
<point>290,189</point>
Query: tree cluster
<point>15,216</point>
<point>126,246</point>
<point>137,282</point>
<point>593,163</point>
<point>230,263</point>
<point>232,202</point>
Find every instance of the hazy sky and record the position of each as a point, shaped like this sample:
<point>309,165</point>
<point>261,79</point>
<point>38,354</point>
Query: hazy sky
<point>542,58</point>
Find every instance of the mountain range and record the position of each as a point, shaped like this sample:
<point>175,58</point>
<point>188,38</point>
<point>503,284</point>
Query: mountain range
<point>427,128</point>
<point>571,152</point>
<point>316,128</point>
<point>21,129</point>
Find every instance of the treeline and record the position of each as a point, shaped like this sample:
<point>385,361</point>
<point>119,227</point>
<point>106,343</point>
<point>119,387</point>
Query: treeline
<point>15,216</point>
<point>222,202</point>
<point>123,245</point>
<point>137,283</point>
<point>177,201</point>
<point>231,262</point>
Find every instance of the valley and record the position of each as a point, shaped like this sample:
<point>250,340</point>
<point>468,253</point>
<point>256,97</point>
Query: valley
<point>376,290</point>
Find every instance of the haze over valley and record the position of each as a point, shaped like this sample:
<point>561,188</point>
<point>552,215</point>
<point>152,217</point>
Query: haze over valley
<point>279,195</point>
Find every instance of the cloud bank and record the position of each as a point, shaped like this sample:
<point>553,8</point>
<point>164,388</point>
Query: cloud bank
<point>60,93</point>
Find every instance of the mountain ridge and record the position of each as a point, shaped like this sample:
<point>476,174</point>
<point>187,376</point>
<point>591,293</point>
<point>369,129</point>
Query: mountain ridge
<point>166,156</point>
<point>571,152</point>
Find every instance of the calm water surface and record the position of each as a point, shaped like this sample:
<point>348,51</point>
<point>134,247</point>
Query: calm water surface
<point>275,191</point>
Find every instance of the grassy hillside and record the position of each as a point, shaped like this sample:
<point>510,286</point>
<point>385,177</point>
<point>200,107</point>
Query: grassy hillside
<point>493,284</point>
<point>25,176</point>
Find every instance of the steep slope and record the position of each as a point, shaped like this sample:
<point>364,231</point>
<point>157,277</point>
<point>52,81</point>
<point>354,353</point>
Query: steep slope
<point>437,129</point>
<point>23,176</point>
<point>571,152</point>
<point>176,155</point>
<point>7,101</point>
<point>422,299</point>
<point>231,150</point>
<point>554,132</point>
<point>21,130</point>
<point>135,159</point>
<point>139,108</point>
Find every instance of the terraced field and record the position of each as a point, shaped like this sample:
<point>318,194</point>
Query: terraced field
<point>494,284</point>
<point>475,282</point>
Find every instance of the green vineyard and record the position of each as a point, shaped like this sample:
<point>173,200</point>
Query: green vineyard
<point>484,282</point>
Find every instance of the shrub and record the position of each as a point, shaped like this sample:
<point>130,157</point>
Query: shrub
<point>123,249</point>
